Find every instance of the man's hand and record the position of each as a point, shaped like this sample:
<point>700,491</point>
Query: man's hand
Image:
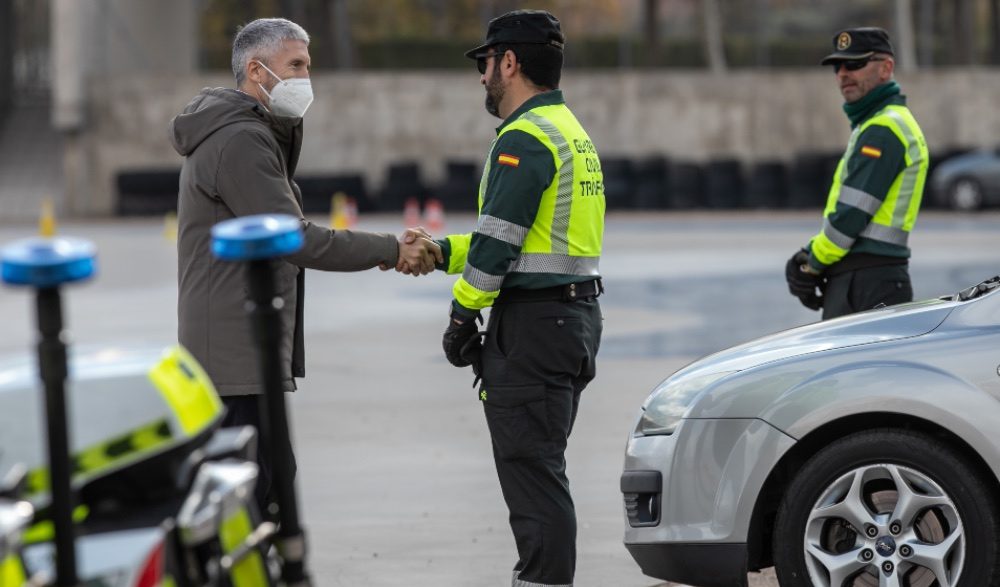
<point>802,284</point>
<point>461,341</point>
<point>417,252</point>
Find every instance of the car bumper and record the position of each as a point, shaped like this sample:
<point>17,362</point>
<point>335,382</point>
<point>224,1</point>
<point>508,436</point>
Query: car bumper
<point>707,565</point>
<point>689,497</point>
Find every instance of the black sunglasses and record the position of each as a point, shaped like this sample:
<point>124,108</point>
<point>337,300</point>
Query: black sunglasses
<point>854,64</point>
<point>481,59</point>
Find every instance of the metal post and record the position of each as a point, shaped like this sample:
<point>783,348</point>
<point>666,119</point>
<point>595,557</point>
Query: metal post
<point>44,264</point>
<point>52,366</point>
<point>260,240</point>
<point>265,313</point>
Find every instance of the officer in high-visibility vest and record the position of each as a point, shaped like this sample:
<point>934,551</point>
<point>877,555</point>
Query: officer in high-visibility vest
<point>859,259</point>
<point>533,257</point>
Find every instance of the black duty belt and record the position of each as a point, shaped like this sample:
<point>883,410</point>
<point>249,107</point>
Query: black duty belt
<point>572,292</point>
<point>855,261</point>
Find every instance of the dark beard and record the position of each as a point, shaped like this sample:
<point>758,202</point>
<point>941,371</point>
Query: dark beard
<point>494,92</point>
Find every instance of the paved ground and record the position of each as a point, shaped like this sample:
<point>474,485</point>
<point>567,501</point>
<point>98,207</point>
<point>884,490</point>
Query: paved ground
<point>394,457</point>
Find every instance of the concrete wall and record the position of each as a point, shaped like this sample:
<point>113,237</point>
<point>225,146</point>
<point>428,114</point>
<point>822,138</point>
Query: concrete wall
<point>364,121</point>
<point>92,39</point>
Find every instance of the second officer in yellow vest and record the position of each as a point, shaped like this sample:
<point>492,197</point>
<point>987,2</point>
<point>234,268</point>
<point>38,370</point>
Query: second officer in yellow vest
<point>859,258</point>
<point>533,257</point>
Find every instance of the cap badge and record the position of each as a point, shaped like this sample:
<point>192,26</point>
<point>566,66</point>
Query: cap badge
<point>843,41</point>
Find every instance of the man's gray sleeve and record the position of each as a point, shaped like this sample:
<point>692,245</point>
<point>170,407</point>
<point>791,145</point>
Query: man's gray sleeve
<point>251,181</point>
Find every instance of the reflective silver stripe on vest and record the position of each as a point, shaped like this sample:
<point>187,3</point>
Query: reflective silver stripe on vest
<point>859,199</point>
<point>909,174</point>
<point>564,191</point>
<point>486,173</point>
<point>481,280</point>
<point>886,234</point>
<point>836,237</point>
<point>847,155</point>
<point>517,582</point>
<point>503,230</point>
<point>553,263</point>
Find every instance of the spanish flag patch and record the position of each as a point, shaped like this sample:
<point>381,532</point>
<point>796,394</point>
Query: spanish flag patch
<point>870,151</point>
<point>505,159</point>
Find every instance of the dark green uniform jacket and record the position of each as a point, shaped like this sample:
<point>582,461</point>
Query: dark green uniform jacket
<point>541,217</point>
<point>877,188</point>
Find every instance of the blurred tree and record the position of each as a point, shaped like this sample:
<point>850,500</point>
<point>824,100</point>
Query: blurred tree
<point>964,32</point>
<point>719,34</point>
<point>714,48</point>
<point>906,55</point>
<point>293,10</point>
<point>7,47</point>
<point>994,31</point>
<point>925,32</point>
<point>760,36</point>
<point>651,28</point>
<point>220,19</point>
<point>342,34</point>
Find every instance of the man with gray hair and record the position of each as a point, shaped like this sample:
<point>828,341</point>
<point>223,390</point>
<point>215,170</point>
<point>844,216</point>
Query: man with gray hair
<point>240,149</point>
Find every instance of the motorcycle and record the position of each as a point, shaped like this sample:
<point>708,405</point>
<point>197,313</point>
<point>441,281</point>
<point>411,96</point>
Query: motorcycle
<point>140,486</point>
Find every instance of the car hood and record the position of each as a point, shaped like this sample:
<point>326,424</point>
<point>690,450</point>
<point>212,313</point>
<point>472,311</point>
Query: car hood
<point>896,322</point>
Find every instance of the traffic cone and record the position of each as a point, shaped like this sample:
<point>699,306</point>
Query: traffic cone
<point>170,226</point>
<point>434,216</point>
<point>351,210</point>
<point>47,219</point>
<point>338,212</point>
<point>411,213</point>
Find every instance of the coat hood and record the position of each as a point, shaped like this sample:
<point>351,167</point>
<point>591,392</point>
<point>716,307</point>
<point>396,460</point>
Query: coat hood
<point>215,108</point>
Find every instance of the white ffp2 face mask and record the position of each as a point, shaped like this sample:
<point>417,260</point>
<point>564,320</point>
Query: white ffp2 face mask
<point>289,97</point>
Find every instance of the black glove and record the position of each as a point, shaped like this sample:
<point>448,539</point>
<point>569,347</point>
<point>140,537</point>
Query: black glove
<point>461,341</point>
<point>804,285</point>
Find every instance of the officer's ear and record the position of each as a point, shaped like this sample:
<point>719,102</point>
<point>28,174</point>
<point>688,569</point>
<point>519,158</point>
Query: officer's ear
<point>888,68</point>
<point>509,64</point>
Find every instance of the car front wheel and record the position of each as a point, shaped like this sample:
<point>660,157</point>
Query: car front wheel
<point>887,508</point>
<point>965,194</point>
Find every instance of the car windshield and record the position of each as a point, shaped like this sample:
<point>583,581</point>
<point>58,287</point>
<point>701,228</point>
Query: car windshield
<point>977,290</point>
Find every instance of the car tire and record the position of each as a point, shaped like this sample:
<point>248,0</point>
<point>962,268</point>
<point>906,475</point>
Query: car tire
<point>949,518</point>
<point>965,194</point>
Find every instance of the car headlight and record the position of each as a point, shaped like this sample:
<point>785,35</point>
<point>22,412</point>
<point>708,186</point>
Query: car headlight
<point>668,403</point>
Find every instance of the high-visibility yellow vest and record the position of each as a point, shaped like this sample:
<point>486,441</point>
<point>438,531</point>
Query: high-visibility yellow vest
<point>565,238</point>
<point>892,218</point>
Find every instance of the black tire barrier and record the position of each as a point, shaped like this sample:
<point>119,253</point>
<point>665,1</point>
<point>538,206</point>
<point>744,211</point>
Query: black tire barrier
<point>619,184</point>
<point>460,189</point>
<point>768,186</point>
<point>811,177</point>
<point>652,183</point>
<point>147,192</point>
<point>724,184</point>
<point>403,181</point>
<point>318,192</point>
<point>687,186</point>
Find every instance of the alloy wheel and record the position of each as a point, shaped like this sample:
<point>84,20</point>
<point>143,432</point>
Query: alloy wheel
<point>884,525</point>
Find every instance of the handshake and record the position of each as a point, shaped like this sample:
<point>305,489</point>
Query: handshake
<point>418,253</point>
<point>462,341</point>
<point>804,285</point>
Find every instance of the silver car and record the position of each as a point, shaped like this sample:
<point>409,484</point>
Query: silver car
<point>863,451</point>
<point>967,182</point>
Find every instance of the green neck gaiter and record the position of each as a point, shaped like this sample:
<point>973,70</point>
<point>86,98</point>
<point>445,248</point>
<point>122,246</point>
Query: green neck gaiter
<point>860,110</point>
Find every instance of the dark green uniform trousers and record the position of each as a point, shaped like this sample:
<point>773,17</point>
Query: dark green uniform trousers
<point>537,358</point>
<point>863,289</point>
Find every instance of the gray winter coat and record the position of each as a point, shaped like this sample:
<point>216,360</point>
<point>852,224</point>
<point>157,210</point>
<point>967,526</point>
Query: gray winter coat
<point>239,160</point>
